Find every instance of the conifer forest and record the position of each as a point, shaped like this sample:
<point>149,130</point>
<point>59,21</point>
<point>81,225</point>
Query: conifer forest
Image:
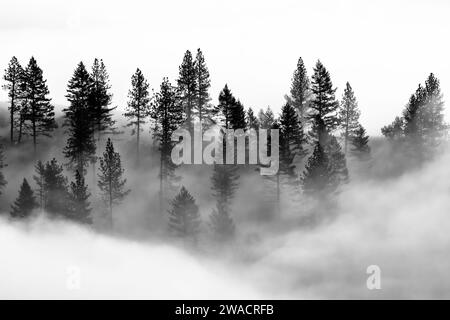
<point>327,179</point>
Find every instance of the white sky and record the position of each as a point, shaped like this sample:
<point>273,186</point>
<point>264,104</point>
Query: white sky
<point>384,48</point>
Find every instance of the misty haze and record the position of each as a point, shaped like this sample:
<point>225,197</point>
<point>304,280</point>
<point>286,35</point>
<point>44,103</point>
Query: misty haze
<point>120,177</point>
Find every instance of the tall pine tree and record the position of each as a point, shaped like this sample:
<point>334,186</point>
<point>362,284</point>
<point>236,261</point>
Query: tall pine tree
<point>100,100</point>
<point>38,110</point>
<point>323,104</point>
<point>348,115</point>
<point>2,165</point>
<point>300,91</point>
<point>13,77</point>
<point>80,147</point>
<point>187,88</point>
<point>139,106</point>
<point>167,114</point>
<point>203,109</point>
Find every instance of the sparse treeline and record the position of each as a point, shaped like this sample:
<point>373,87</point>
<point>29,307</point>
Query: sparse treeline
<point>318,135</point>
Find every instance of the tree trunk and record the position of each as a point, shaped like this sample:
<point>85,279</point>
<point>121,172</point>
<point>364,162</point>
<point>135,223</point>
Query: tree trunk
<point>19,138</point>
<point>12,116</point>
<point>161,186</point>
<point>34,137</point>
<point>137,140</point>
<point>110,203</point>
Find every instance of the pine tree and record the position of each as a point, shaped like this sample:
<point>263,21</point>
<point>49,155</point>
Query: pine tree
<point>230,112</point>
<point>300,91</point>
<point>348,115</point>
<point>100,99</point>
<point>25,203</point>
<point>252,120</point>
<point>292,142</point>
<point>238,120</point>
<point>111,182</point>
<point>38,110</point>
<point>324,104</point>
<point>317,177</point>
<point>435,126</point>
<point>80,147</point>
<point>360,143</point>
<point>79,196</point>
<point>13,77</point>
<point>168,116</point>
<point>422,126</point>
<point>187,88</point>
<point>139,106</point>
<point>224,185</point>
<point>184,219</point>
<point>53,189</point>
<point>203,109</point>
<point>413,116</point>
<point>2,165</point>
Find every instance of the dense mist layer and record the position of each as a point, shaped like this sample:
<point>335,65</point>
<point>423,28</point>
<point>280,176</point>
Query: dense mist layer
<point>399,224</point>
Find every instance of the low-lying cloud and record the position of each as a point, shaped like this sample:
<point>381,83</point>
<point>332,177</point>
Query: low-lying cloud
<point>400,224</point>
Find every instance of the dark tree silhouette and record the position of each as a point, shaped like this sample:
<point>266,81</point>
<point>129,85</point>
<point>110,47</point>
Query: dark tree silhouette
<point>13,77</point>
<point>2,165</point>
<point>348,115</point>
<point>100,99</point>
<point>80,210</point>
<point>111,182</point>
<point>25,202</point>
<point>38,110</point>
<point>187,88</point>
<point>168,116</point>
<point>203,110</point>
<point>230,111</point>
<point>184,219</point>
<point>324,104</point>
<point>139,107</point>
<point>80,147</point>
<point>300,91</point>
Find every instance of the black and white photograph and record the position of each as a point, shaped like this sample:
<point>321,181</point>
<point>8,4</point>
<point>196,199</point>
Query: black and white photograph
<point>224,151</point>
